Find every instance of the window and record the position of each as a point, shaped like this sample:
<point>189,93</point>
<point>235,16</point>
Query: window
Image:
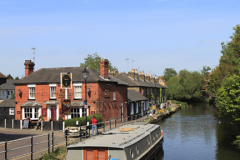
<point>78,90</point>
<point>137,107</point>
<point>114,96</point>
<point>31,112</point>
<point>31,91</point>
<point>132,109</point>
<point>75,113</point>
<point>52,91</point>
<point>28,112</point>
<point>144,106</point>
<point>83,112</point>
<point>11,111</point>
<point>147,91</point>
<point>147,105</point>
<point>3,93</point>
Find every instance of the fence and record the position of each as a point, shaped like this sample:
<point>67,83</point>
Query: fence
<point>30,147</point>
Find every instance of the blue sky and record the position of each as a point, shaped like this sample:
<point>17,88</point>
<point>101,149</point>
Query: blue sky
<point>153,34</point>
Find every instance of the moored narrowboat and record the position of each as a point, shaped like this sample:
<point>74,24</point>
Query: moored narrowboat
<point>128,142</point>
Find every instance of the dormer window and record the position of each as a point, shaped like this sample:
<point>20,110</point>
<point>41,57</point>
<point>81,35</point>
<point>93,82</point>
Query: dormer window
<point>31,91</point>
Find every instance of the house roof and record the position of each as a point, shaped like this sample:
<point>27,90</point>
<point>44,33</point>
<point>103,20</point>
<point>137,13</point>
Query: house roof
<point>139,83</point>
<point>9,85</point>
<point>52,75</point>
<point>135,96</point>
<point>2,76</point>
<point>8,103</point>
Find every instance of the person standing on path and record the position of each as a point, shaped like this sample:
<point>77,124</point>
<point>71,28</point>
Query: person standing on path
<point>94,125</point>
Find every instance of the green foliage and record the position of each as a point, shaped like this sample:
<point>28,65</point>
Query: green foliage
<point>160,96</point>
<point>169,72</point>
<point>60,118</point>
<point>82,120</point>
<point>237,142</point>
<point>187,86</point>
<point>92,61</point>
<point>13,96</point>
<point>228,97</point>
<point>229,61</point>
<point>17,78</point>
<point>59,153</point>
<point>205,70</point>
<point>9,76</point>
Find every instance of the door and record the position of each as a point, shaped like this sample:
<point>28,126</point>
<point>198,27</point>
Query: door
<point>95,154</point>
<point>54,114</point>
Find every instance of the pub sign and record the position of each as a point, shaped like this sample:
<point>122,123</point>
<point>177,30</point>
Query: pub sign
<point>66,107</point>
<point>66,80</point>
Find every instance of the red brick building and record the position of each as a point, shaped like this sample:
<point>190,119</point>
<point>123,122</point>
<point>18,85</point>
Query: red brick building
<point>40,93</point>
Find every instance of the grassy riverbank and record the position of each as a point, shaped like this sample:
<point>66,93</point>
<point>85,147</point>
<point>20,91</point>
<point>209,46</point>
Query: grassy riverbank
<point>59,153</point>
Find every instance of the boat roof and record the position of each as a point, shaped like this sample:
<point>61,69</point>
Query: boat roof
<point>119,137</point>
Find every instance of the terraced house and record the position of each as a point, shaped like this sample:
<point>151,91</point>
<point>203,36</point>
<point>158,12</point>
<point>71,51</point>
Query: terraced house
<point>144,91</point>
<point>40,93</point>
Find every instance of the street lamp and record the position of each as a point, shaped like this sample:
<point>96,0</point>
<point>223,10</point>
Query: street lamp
<point>85,76</point>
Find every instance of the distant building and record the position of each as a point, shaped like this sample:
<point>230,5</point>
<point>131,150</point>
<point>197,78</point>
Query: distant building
<point>3,78</point>
<point>7,109</point>
<point>6,89</point>
<point>40,93</point>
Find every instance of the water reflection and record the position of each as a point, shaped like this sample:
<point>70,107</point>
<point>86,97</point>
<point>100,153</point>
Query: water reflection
<point>194,132</point>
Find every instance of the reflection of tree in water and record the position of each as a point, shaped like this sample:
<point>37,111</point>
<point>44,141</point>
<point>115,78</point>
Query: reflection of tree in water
<point>226,133</point>
<point>195,131</point>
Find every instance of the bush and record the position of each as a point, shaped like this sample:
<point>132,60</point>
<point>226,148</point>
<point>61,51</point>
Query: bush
<point>82,120</point>
<point>60,118</point>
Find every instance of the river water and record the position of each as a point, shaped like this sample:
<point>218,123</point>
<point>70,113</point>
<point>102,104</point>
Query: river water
<point>194,133</point>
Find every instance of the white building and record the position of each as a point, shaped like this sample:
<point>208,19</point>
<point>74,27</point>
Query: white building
<point>6,89</point>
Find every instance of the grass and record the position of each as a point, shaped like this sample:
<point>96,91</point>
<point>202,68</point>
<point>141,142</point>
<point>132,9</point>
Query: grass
<point>59,153</point>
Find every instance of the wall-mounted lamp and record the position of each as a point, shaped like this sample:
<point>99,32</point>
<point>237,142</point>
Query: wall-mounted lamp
<point>126,102</point>
<point>19,91</point>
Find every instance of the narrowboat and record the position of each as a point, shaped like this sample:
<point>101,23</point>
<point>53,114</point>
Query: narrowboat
<point>139,141</point>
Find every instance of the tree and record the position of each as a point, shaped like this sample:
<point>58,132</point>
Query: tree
<point>168,72</point>
<point>229,61</point>
<point>186,86</point>
<point>12,96</point>
<point>17,78</point>
<point>9,76</point>
<point>92,61</point>
<point>205,70</point>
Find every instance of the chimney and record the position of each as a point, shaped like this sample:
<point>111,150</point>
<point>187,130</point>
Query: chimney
<point>142,76</point>
<point>28,67</point>
<point>136,75</point>
<point>147,77</point>
<point>104,68</point>
<point>110,73</point>
<point>131,74</point>
<point>157,79</point>
<point>152,79</point>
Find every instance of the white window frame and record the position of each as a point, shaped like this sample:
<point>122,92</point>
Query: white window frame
<point>11,111</point>
<point>33,112</point>
<point>136,107</point>
<point>76,113</point>
<point>30,86</point>
<point>75,86</point>
<point>52,86</point>
<point>114,96</point>
<point>132,109</point>
<point>147,105</point>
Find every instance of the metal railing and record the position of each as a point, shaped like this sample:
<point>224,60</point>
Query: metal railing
<point>20,148</point>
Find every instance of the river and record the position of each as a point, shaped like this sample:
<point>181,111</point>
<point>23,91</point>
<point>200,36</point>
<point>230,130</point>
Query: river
<point>194,133</point>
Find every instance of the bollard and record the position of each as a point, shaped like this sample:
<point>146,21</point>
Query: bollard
<point>6,150</point>
<point>52,141</point>
<point>31,148</point>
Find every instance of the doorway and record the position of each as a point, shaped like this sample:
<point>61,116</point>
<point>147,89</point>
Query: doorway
<point>54,114</point>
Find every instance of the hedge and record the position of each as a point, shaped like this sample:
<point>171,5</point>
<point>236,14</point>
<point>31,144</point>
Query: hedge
<point>82,120</point>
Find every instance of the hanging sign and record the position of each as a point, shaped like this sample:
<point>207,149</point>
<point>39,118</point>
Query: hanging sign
<point>66,107</point>
<point>66,80</point>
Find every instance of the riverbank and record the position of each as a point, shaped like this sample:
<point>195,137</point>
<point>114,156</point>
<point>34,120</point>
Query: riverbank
<point>164,113</point>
